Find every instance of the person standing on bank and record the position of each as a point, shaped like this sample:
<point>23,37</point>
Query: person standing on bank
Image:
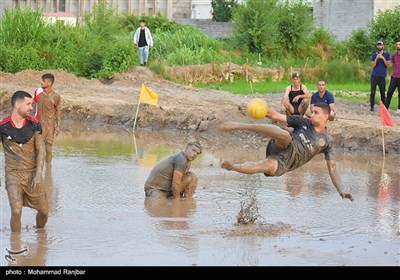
<point>21,136</point>
<point>144,41</point>
<point>48,112</point>
<point>380,61</point>
<point>395,78</point>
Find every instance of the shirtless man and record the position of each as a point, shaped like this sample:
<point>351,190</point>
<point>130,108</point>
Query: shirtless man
<point>48,112</point>
<point>21,136</point>
<point>289,150</point>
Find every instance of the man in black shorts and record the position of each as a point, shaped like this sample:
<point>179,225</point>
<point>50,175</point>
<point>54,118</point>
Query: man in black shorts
<point>296,99</point>
<point>171,178</point>
<point>24,154</point>
<point>289,150</point>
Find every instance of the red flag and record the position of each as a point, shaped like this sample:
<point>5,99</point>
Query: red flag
<point>386,119</point>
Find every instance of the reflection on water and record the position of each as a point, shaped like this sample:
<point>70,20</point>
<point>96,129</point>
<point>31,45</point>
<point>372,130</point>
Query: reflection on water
<point>98,208</point>
<point>34,248</point>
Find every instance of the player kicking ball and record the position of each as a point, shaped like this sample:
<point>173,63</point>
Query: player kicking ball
<point>286,150</point>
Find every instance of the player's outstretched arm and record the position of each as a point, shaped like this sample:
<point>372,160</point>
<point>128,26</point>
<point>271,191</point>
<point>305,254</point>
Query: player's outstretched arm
<point>336,179</point>
<point>276,116</point>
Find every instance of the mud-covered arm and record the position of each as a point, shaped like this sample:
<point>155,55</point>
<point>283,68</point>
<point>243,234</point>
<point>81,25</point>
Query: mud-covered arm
<point>177,184</point>
<point>58,115</point>
<point>276,116</point>
<point>333,173</point>
<point>39,149</point>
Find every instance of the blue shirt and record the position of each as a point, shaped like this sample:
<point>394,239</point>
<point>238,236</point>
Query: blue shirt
<point>380,69</point>
<point>327,98</point>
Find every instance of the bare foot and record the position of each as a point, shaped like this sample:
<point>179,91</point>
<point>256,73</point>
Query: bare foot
<point>227,165</point>
<point>228,126</point>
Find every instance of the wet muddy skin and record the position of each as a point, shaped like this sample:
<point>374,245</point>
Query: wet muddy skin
<point>98,214</point>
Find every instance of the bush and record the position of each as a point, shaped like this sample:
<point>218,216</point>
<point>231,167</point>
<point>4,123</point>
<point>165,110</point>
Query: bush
<point>361,45</point>
<point>272,27</point>
<point>386,26</point>
<point>222,9</point>
<point>188,46</point>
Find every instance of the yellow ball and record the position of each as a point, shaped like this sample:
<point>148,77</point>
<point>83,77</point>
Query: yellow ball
<point>257,108</point>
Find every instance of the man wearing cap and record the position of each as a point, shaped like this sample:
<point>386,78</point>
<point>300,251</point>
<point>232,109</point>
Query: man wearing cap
<point>296,98</point>
<point>171,178</point>
<point>395,78</point>
<point>380,61</point>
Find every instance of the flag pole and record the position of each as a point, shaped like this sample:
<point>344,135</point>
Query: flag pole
<point>383,143</point>
<point>136,115</point>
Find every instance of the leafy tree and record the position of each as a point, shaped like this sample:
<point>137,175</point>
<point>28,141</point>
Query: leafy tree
<point>295,23</point>
<point>256,25</point>
<point>386,26</point>
<point>360,44</point>
<point>223,9</point>
<point>273,27</point>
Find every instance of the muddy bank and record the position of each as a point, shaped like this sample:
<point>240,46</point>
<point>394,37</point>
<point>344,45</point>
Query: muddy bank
<point>184,109</point>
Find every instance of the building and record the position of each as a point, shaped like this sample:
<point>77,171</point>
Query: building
<point>71,11</point>
<point>341,17</point>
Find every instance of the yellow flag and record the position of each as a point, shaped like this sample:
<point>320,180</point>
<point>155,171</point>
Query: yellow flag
<point>148,96</point>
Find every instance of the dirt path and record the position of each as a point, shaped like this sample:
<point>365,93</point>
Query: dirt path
<point>184,109</point>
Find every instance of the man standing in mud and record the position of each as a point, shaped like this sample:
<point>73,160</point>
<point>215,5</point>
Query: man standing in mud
<point>289,150</point>
<point>21,136</point>
<point>48,112</point>
<point>171,178</point>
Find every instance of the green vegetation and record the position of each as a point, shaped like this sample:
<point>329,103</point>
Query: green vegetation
<point>222,9</point>
<point>268,33</point>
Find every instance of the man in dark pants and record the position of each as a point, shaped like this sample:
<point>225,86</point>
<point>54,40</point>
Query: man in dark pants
<point>380,61</point>
<point>395,78</point>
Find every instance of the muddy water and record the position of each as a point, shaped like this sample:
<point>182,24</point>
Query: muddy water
<point>99,216</point>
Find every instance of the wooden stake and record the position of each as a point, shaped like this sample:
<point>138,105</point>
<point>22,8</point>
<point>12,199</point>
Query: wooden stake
<point>383,143</point>
<point>137,112</point>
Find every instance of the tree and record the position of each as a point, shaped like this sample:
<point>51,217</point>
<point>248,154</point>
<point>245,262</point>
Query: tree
<point>222,9</point>
<point>256,24</point>
<point>295,24</point>
<point>386,26</point>
<point>272,26</point>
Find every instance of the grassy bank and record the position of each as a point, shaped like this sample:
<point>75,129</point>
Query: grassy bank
<point>355,92</point>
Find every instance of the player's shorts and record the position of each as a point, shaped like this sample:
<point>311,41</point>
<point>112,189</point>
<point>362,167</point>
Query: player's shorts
<point>296,108</point>
<point>48,134</point>
<point>284,156</point>
<point>156,193</point>
<point>21,193</point>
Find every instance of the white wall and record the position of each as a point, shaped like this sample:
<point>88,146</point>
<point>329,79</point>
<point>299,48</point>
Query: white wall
<point>201,9</point>
<point>343,16</point>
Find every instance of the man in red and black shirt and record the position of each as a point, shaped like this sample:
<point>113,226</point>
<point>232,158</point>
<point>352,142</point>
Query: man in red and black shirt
<point>289,150</point>
<point>22,141</point>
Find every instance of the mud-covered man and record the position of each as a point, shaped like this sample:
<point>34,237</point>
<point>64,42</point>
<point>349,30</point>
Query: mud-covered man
<point>23,148</point>
<point>289,150</point>
<point>171,178</point>
<point>48,112</point>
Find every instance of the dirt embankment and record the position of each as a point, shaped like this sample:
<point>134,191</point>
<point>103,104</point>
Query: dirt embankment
<point>184,109</point>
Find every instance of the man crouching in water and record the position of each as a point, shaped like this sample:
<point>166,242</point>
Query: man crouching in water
<point>171,178</point>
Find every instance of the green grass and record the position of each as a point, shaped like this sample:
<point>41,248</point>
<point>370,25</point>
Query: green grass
<point>355,92</point>
<point>245,88</point>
